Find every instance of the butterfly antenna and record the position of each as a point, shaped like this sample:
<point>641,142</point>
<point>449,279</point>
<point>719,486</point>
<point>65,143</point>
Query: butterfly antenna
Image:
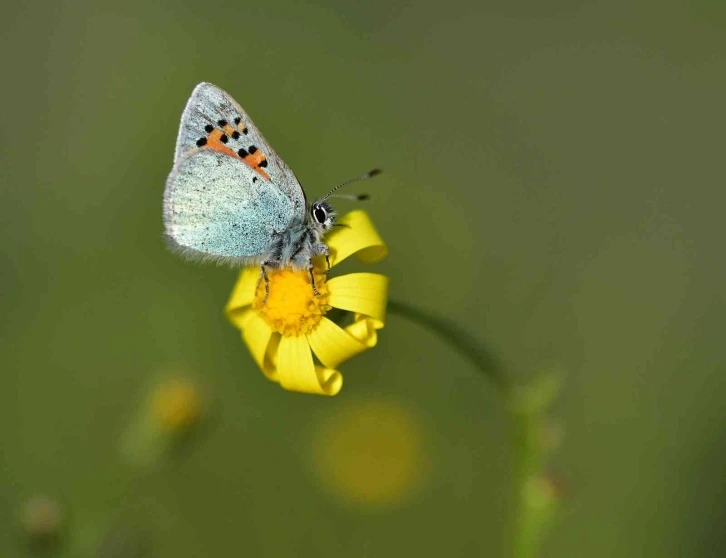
<point>369,174</point>
<point>354,197</point>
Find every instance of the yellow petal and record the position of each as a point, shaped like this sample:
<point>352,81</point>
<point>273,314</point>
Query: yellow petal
<point>358,236</point>
<point>329,379</point>
<point>258,336</point>
<point>242,294</point>
<point>332,344</point>
<point>364,330</point>
<point>297,372</point>
<point>364,293</point>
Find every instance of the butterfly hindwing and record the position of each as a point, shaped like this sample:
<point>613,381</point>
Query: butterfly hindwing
<point>216,207</point>
<point>214,120</point>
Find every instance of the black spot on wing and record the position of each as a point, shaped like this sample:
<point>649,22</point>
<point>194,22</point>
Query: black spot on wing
<point>252,149</point>
<point>224,138</point>
<point>242,152</point>
<point>201,142</point>
<point>209,128</point>
<point>263,163</point>
<point>222,123</point>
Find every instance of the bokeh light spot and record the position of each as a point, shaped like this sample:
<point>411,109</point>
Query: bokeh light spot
<point>371,453</point>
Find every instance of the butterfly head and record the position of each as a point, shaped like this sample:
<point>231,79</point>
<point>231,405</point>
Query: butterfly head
<point>322,215</point>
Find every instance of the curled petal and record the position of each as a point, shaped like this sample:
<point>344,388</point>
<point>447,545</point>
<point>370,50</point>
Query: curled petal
<point>242,294</point>
<point>363,293</point>
<point>330,380</point>
<point>332,344</point>
<point>357,235</point>
<point>297,372</point>
<point>364,329</point>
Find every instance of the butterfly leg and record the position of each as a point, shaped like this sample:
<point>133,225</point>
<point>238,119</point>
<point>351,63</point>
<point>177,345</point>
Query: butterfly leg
<point>263,275</point>
<point>322,249</point>
<point>312,281</point>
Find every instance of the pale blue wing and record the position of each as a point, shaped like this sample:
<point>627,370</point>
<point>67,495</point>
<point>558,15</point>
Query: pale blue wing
<point>218,208</point>
<point>211,115</point>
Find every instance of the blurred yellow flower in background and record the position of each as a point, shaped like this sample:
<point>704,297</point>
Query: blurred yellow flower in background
<point>284,331</point>
<point>173,405</point>
<point>371,453</point>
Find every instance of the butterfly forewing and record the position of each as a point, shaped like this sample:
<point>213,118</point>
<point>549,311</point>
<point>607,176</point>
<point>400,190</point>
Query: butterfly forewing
<point>214,120</point>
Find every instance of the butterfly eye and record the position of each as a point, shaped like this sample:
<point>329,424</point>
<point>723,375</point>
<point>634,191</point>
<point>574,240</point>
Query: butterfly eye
<point>319,214</point>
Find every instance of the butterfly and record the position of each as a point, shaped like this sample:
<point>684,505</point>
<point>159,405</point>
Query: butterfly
<point>231,199</point>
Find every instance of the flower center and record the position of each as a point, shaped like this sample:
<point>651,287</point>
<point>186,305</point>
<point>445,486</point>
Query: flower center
<point>292,308</point>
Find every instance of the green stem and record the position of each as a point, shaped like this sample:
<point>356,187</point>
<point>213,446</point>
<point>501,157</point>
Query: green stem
<point>534,505</point>
<point>460,340</point>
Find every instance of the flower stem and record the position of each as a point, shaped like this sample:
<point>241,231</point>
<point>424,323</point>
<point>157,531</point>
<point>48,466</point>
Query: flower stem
<point>460,340</point>
<point>535,499</point>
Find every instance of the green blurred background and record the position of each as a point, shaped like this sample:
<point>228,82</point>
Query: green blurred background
<point>553,182</point>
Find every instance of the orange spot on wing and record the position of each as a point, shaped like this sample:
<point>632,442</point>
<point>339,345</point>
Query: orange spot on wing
<point>255,159</point>
<point>214,142</point>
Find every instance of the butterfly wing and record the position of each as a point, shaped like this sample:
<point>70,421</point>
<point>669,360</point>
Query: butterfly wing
<point>214,120</point>
<point>217,207</point>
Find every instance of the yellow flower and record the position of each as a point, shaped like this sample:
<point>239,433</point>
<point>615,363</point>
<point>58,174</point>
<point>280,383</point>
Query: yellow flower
<point>283,332</point>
